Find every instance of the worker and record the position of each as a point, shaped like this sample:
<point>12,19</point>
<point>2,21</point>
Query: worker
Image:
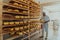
<point>45,19</point>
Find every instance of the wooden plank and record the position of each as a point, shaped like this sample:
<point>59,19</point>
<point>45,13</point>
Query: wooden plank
<point>1,37</point>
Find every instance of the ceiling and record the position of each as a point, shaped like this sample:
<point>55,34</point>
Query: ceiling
<point>45,1</point>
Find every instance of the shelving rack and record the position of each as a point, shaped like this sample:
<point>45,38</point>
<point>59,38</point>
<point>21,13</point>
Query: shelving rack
<point>19,19</point>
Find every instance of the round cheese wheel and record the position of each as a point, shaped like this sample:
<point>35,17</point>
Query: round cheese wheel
<point>17,29</point>
<point>21,28</point>
<point>6,23</point>
<point>12,29</point>
<point>16,4</point>
<point>20,33</point>
<point>11,23</point>
<point>17,16</point>
<point>20,5</point>
<point>16,10</point>
<point>9,10</point>
<point>21,22</point>
<point>16,22</point>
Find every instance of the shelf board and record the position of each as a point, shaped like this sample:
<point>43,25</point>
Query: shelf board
<point>14,25</point>
<point>14,37</point>
<point>17,13</point>
<point>14,6</point>
<point>20,2</point>
<point>31,35</point>
<point>21,19</point>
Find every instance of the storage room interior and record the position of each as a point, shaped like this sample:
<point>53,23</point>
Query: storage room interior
<point>20,19</point>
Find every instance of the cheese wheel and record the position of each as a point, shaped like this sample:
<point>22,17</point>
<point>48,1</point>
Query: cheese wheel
<point>11,23</point>
<point>21,28</point>
<point>12,33</point>
<point>22,16</point>
<point>20,5</point>
<point>25,27</point>
<point>16,22</point>
<point>24,32</point>
<point>9,10</point>
<point>16,10</point>
<point>28,31</point>
<point>21,0</point>
<point>25,21</point>
<point>20,33</point>
<point>24,12</point>
<point>6,23</point>
<point>16,4</point>
<point>21,22</point>
<point>17,29</point>
<point>17,16</point>
<point>12,29</point>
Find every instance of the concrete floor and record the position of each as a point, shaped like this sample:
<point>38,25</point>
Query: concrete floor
<point>54,34</point>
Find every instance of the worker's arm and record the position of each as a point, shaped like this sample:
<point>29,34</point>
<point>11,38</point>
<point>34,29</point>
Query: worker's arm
<point>46,21</point>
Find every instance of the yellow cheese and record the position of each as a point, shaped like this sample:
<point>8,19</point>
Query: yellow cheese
<point>25,21</point>
<point>27,30</point>
<point>22,16</point>
<point>9,10</point>
<point>12,29</point>
<point>24,12</point>
<point>21,28</point>
<point>24,32</point>
<point>20,33</point>
<point>16,10</point>
<point>11,23</point>
<point>16,22</point>
<point>6,23</point>
<point>16,4</point>
<point>12,33</point>
<point>25,27</point>
<point>26,17</point>
<point>17,29</point>
<point>20,5</point>
<point>21,0</point>
<point>21,22</point>
<point>17,16</point>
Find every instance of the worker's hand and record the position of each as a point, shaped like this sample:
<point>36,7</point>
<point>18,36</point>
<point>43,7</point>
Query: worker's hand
<point>42,21</point>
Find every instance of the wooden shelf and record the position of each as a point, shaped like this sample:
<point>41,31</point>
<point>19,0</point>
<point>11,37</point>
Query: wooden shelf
<point>23,12</point>
<point>14,6</point>
<point>20,2</point>
<point>15,25</point>
<point>14,37</point>
<point>14,13</point>
<point>31,35</point>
